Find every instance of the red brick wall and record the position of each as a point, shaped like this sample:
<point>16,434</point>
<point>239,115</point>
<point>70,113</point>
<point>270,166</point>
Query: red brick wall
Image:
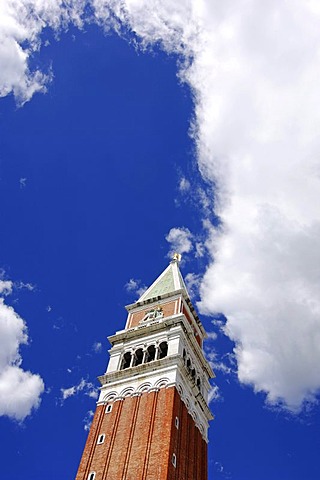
<point>141,437</point>
<point>188,445</point>
<point>167,308</point>
<point>89,449</point>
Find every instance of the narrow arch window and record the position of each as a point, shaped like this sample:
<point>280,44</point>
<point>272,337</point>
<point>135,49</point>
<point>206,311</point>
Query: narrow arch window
<point>193,373</point>
<point>109,408</point>
<point>163,349</point>
<point>138,357</point>
<point>101,439</point>
<point>92,476</point>
<point>126,360</point>
<point>184,354</point>
<point>151,353</point>
<point>199,383</point>
<point>174,460</point>
<point>176,422</point>
<point>188,363</point>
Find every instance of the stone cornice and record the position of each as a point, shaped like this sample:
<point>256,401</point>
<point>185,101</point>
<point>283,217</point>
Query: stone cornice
<point>138,370</point>
<point>149,301</point>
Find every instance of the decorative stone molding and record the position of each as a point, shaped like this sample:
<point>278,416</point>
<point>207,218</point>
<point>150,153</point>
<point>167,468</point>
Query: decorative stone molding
<point>145,387</point>
<point>163,382</point>
<point>127,392</point>
<point>110,397</point>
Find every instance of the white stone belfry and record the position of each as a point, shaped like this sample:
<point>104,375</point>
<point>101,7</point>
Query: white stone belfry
<point>161,347</point>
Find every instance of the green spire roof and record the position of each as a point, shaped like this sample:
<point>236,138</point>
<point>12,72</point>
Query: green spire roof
<point>169,281</point>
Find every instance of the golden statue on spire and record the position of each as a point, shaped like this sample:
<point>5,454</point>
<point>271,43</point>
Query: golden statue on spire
<point>176,257</point>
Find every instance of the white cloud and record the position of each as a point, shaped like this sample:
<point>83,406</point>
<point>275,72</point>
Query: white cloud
<point>20,390</point>
<point>180,240</point>
<point>214,394</point>
<point>135,286</point>
<point>88,420</point>
<point>193,283</point>
<point>27,286</point>
<point>68,392</point>
<point>132,285</point>
<point>97,347</point>
<point>23,182</point>
<point>5,287</point>
<point>224,364</point>
<point>204,201</point>
<point>83,386</point>
<point>200,249</point>
<point>184,185</point>
<point>212,335</point>
<point>21,24</point>
<point>92,393</point>
<point>254,74</point>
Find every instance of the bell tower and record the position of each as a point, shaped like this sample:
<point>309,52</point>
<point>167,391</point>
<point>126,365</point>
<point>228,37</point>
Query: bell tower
<point>151,420</point>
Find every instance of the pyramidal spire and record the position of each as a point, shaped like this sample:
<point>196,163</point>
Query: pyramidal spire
<point>169,281</point>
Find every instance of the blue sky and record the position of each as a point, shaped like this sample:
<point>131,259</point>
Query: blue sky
<point>192,130</point>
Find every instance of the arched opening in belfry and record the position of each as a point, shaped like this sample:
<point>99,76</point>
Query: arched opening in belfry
<point>163,349</point>
<point>126,360</point>
<point>138,357</point>
<point>151,353</point>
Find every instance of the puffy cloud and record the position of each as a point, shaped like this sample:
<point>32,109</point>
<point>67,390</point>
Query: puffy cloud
<point>254,71</point>
<point>5,287</point>
<point>180,240</point>
<point>21,25</point>
<point>20,390</point>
